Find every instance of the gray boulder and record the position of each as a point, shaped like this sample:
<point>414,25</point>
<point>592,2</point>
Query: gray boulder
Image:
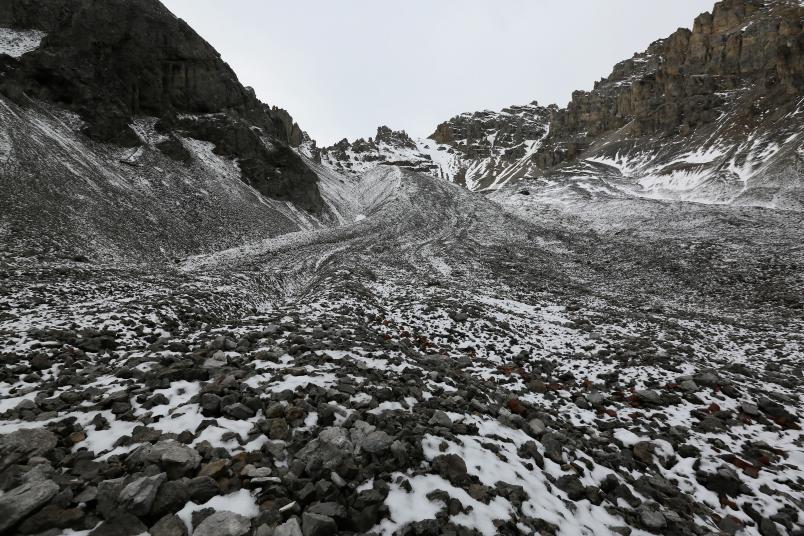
<point>537,426</point>
<point>649,396</point>
<point>170,525</point>
<point>290,527</point>
<point>318,525</point>
<point>138,496</point>
<point>223,524</point>
<point>331,447</point>
<point>21,501</point>
<point>376,442</point>
<point>27,443</point>
<point>440,418</point>
<point>175,458</point>
<point>652,519</point>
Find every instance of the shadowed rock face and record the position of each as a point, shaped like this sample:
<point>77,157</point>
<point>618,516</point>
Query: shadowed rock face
<point>111,61</point>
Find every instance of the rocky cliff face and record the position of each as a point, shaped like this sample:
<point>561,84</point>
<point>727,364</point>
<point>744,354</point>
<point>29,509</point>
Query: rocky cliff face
<point>712,114</point>
<point>116,60</point>
<point>494,146</point>
<point>744,58</point>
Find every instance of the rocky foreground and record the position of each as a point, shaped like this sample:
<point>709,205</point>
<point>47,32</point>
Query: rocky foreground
<point>367,380</point>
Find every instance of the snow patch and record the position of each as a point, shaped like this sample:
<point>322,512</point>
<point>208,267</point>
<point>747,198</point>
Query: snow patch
<point>16,43</point>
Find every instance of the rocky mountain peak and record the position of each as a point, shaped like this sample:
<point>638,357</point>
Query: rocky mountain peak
<point>472,149</point>
<point>392,137</point>
<point>387,147</point>
<point>511,124</point>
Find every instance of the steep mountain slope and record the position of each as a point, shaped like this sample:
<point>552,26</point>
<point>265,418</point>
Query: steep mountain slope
<point>713,114</point>
<point>120,100</point>
<point>63,194</point>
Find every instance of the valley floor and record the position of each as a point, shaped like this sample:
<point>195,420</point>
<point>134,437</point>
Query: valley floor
<point>447,364</point>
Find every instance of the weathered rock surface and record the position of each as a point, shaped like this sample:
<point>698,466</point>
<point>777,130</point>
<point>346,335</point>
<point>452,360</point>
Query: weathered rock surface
<point>21,501</point>
<point>223,524</point>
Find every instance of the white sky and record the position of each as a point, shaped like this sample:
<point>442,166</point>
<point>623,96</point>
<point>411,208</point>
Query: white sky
<point>344,67</point>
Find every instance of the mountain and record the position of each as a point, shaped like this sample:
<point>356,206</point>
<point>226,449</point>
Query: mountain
<point>211,327</point>
<point>712,114</point>
<point>109,107</point>
<point>494,147</point>
<point>481,150</point>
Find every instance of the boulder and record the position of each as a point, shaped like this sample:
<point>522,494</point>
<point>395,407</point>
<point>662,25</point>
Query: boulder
<point>176,460</point>
<point>223,524</point>
<point>331,448</point>
<point>23,500</point>
<point>318,525</point>
<point>138,496</point>
<point>26,443</point>
<point>290,527</point>
<point>452,467</point>
<point>169,525</point>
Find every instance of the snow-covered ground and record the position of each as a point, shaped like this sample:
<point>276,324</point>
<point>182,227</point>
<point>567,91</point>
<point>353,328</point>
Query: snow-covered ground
<point>437,362</point>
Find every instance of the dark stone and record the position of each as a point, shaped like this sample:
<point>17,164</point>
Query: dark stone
<point>170,498</point>
<point>202,488</point>
<point>51,517</point>
<point>223,524</point>
<point>120,524</point>
<point>169,525</point>
<point>572,486</point>
<point>21,501</point>
<point>725,481</point>
<point>318,525</point>
<point>452,467</point>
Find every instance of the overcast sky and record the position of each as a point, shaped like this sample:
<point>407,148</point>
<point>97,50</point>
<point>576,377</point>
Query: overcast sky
<point>342,68</point>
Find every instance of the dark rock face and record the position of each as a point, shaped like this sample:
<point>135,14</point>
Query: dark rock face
<point>273,170</point>
<point>113,61</point>
<point>681,83</point>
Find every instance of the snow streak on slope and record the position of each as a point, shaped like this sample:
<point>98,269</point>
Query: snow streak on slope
<point>15,43</point>
<point>63,192</point>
